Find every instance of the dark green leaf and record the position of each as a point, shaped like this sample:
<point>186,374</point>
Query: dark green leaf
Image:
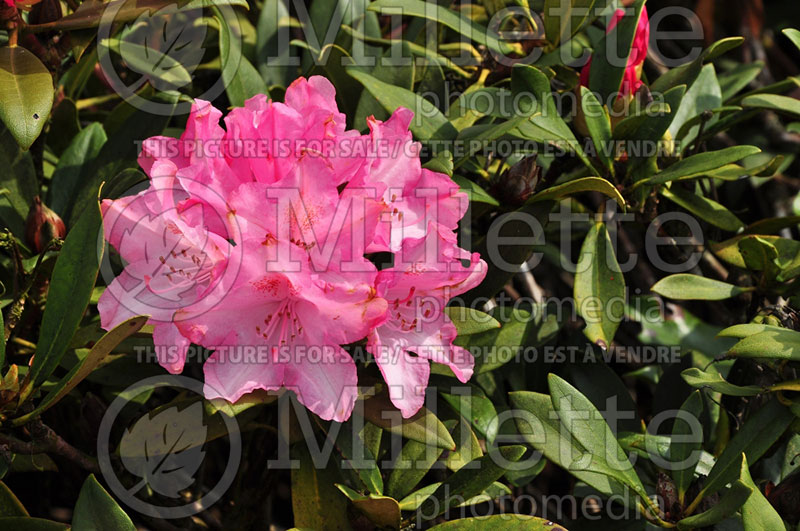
<point>687,435</point>
<point>96,510</point>
<point>70,289</point>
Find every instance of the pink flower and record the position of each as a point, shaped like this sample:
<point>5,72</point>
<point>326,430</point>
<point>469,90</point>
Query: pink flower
<point>633,70</point>
<point>254,241</point>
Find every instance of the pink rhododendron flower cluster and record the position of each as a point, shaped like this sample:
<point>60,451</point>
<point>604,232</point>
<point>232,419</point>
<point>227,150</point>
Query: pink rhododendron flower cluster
<point>257,241</point>
<point>633,71</point>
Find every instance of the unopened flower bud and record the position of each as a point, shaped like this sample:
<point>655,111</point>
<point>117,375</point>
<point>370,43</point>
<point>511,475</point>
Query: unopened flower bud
<point>515,185</point>
<point>42,226</point>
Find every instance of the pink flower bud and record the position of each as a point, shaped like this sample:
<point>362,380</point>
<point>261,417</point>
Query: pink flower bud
<point>42,226</point>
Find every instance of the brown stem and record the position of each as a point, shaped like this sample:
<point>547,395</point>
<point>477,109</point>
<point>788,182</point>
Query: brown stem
<point>50,442</point>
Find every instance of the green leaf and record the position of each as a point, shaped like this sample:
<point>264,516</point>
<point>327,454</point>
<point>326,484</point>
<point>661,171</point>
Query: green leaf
<point>9,503</point>
<point>782,344</point>
<point>561,21</point>
<point>26,94</point>
<point>727,506</point>
<point>474,191</point>
<point>316,502</point>
<point>589,428</point>
<point>605,78</point>
<point>469,481</point>
<point>758,514</point>
<point>73,166</point>
<point>352,448</point>
<point>424,427</point>
<point>760,431</point>
<point>500,522</point>
<point>584,184</point>
<point>428,124</point>
<point>413,462</point>
<point>793,35</point>
<point>394,69</point>
<point>18,182</point>
<point>544,123</point>
<point>96,510</point>
<point>71,288</point>
<point>700,379</point>
<point>686,74</point>
<point>450,18</point>
<point>157,67</point>
<point>599,125</point>
<point>748,329</point>
<point>773,102</point>
<point>242,80</point>
<point>382,511</point>
<point>702,163</point>
<point>703,95</point>
<point>26,523</point>
<point>599,287</point>
<point>682,447</point>
<point>272,57</point>
<point>469,321</point>
<point>413,501</point>
<point>541,428</point>
<point>704,208</point>
<point>686,287</point>
<point>96,355</point>
<point>478,409</point>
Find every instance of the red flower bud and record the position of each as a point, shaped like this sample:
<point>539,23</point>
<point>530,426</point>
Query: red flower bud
<point>42,226</point>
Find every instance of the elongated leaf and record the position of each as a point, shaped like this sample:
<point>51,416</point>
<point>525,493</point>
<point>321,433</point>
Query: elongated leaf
<point>352,448</point>
<point>96,510</point>
<point>687,439</point>
<point>500,522</point>
<point>242,80</point>
<point>702,163</point>
<point>686,74</point>
<point>773,102</point>
<point>564,18</point>
<point>316,502</point>
<point>793,35</point>
<point>748,329</point>
<point>759,432</point>
<point>683,287</point>
<point>432,124</point>
<point>424,427</point>
<point>26,94</point>
<point>700,379</point>
<point>96,355</point>
<point>589,428</point>
<point>469,481</point>
<point>704,208</point>
<point>584,184</point>
<point>599,287</point>
<point>610,57</point>
<point>758,514</point>
<point>448,17</point>
<point>71,287</point>
<point>73,166</point>
<point>599,125</point>
<point>777,344</point>
<point>476,408</point>
<point>272,57</point>
<point>413,462</point>
<point>469,321</point>
<point>26,523</point>
<point>9,503</point>
<point>543,431</point>
<point>726,507</point>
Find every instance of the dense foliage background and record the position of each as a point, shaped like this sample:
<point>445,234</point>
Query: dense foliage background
<point>83,83</point>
